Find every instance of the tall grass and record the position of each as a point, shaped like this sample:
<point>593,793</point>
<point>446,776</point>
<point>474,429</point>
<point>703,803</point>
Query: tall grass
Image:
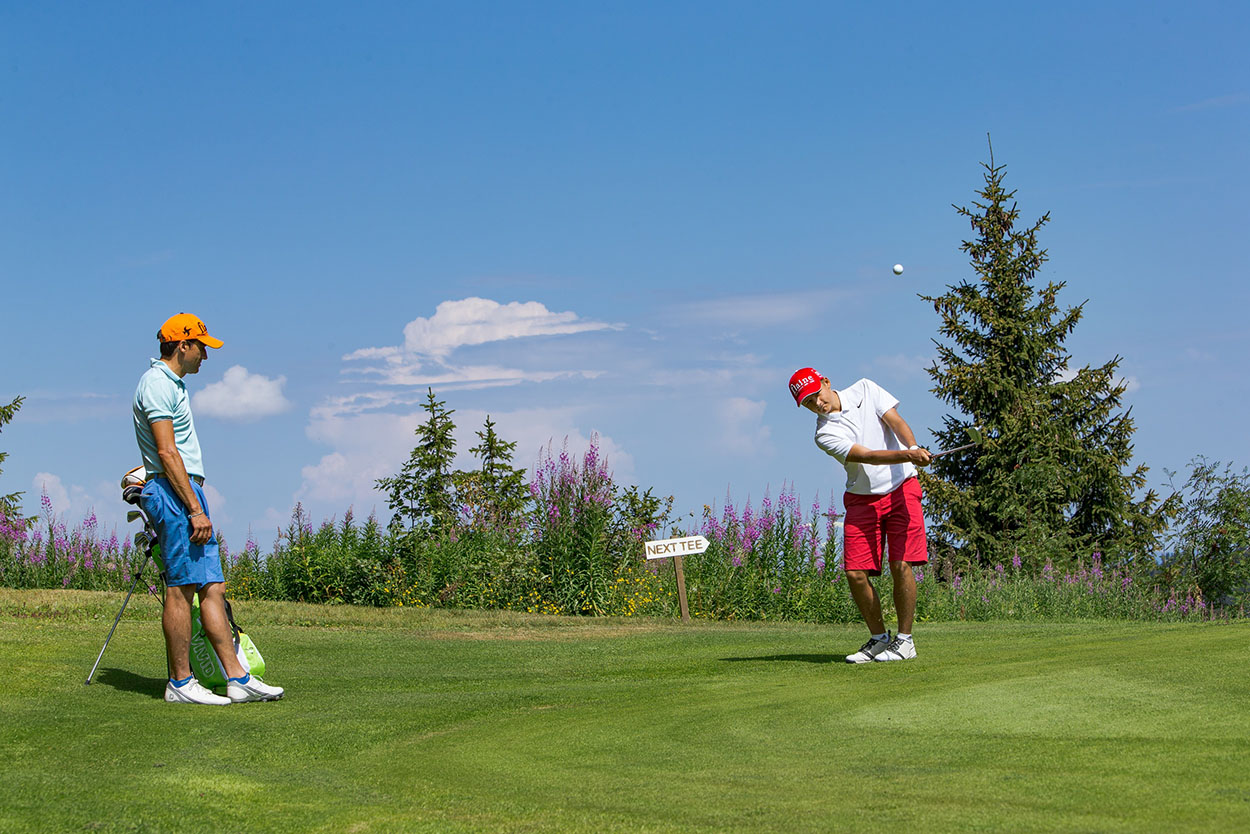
<point>580,551</point>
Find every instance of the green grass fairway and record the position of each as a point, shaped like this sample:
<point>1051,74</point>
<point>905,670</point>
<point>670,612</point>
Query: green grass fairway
<point>402,720</point>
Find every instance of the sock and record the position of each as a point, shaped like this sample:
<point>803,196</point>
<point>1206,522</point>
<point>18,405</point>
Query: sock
<point>903,636</point>
<point>884,636</point>
<point>247,676</point>
<point>182,682</point>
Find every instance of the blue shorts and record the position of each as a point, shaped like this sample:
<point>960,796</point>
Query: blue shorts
<point>185,563</point>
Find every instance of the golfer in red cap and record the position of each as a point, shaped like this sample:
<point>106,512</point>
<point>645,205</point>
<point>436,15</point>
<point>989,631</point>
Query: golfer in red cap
<point>861,427</point>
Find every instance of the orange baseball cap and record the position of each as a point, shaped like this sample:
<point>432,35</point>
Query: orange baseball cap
<point>185,326</point>
<point>803,383</point>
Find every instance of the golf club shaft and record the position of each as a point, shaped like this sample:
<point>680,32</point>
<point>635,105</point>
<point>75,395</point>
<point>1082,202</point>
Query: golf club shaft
<point>956,449</point>
<point>116,620</point>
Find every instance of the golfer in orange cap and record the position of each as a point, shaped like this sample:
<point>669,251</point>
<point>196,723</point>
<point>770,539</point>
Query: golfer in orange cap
<point>173,498</point>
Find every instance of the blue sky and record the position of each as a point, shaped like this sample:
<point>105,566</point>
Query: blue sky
<point>631,219</point>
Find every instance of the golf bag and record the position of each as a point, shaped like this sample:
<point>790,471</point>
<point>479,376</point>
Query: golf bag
<point>204,661</point>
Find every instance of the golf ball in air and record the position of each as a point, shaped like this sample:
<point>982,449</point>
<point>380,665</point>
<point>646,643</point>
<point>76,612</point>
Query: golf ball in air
<point>898,269</point>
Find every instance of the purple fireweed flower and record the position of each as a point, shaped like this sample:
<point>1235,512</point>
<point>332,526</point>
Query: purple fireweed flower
<point>919,574</point>
<point>776,590</point>
<point>820,565</point>
<point>45,503</point>
<point>958,582</point>
<point>1048,568</point>
<point>1015,561</point>
<point>1125,582</point>
<point>999,568</point>
<point>736,561</point>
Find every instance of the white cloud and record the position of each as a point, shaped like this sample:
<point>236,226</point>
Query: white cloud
<point>73,503</point>
<point>424,357</point>
<point>216,505</point>
<point>742,429</point>
<point>476,321</point>
<point>242,396</point>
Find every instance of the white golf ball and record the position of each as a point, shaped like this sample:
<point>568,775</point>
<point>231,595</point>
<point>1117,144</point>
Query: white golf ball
<point>898,269</point>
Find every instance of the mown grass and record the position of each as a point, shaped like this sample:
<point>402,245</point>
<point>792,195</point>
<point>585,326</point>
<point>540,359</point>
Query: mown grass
<point>435,720</point>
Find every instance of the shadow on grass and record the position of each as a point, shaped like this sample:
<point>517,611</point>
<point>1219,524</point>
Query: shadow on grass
<point>792,658</point>
<point>130,682</point>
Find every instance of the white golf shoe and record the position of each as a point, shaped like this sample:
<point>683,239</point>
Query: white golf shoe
<point>900,648</point>
<point>192,692</point>
<point>868,652</point>
<point>254,689</point>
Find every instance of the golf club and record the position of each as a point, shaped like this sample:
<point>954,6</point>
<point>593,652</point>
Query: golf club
<point>146,538</point>
<point>974,434</point>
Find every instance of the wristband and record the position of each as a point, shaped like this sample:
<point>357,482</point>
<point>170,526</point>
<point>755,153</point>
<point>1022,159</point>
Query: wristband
<point>193,515</point>
<point>912,448</point>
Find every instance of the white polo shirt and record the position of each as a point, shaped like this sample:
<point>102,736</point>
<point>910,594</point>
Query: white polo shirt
<point>860,422</point>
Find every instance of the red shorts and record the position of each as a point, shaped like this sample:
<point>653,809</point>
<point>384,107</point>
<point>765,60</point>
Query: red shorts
<point>895,520</point>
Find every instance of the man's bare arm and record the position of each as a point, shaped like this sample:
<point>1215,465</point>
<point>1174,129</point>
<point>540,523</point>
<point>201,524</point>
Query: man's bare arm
<point>176,472</point>
<point>920,457</point>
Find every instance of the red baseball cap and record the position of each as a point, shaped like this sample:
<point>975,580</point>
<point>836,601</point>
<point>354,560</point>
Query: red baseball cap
<point>803,383</point>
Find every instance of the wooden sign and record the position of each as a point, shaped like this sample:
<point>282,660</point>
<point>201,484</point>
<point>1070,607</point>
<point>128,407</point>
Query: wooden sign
<point>674,549</point>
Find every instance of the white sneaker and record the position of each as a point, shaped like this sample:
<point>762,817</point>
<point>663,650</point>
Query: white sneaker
<point>254,690</point>
<point>900,648</point>
<point>869,651</point>
<point>192,692</point>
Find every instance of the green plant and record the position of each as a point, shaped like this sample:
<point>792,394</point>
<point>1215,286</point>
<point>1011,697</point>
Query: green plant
<point>1052,478</point>
<point>1210,543</point>
<point>422,493</point>
<point>9,503</point>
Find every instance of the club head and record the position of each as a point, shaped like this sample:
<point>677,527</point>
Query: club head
<point>141,539</point>
<point>132,515</point>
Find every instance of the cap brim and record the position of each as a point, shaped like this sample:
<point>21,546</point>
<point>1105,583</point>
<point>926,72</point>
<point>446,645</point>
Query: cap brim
<point>209,341</point>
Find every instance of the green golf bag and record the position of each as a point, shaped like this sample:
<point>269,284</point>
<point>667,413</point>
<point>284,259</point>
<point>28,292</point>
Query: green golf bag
<point>204,661</point>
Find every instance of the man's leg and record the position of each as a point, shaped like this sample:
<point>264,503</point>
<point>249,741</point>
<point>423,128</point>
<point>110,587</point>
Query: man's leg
<point>217,627</point>
<point>176,623</point>
<point>866,599</point>
<point>904,595</point>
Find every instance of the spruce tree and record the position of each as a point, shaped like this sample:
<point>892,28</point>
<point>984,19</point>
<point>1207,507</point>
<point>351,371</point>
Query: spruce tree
<point>8,503</point>
<point>422,493</point>
<point>1053,477</point>
<point>496,493</point>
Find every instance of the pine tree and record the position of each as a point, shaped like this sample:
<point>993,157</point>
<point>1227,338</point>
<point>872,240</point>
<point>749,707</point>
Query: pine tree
<point>8,503</point>
<point>1051,479</point>
<point>496,493</point>
<point>423,492</point>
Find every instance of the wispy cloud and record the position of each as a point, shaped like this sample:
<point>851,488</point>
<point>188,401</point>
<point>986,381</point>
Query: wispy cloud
<point>1215,103</point>
<point>242,396</point>
<point>72,407</point>
<point>762,310</point>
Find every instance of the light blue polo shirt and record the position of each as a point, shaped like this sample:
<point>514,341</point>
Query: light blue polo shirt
<point>161,395</point>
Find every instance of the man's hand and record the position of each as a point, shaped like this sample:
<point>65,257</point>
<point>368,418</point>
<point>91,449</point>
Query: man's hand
<point>201,529</point>
<point>920,457</point>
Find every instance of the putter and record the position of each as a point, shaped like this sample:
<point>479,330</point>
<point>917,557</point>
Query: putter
<point>974,434</point>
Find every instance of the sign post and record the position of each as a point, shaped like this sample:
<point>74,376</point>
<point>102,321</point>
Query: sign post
<point>674,549</point>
